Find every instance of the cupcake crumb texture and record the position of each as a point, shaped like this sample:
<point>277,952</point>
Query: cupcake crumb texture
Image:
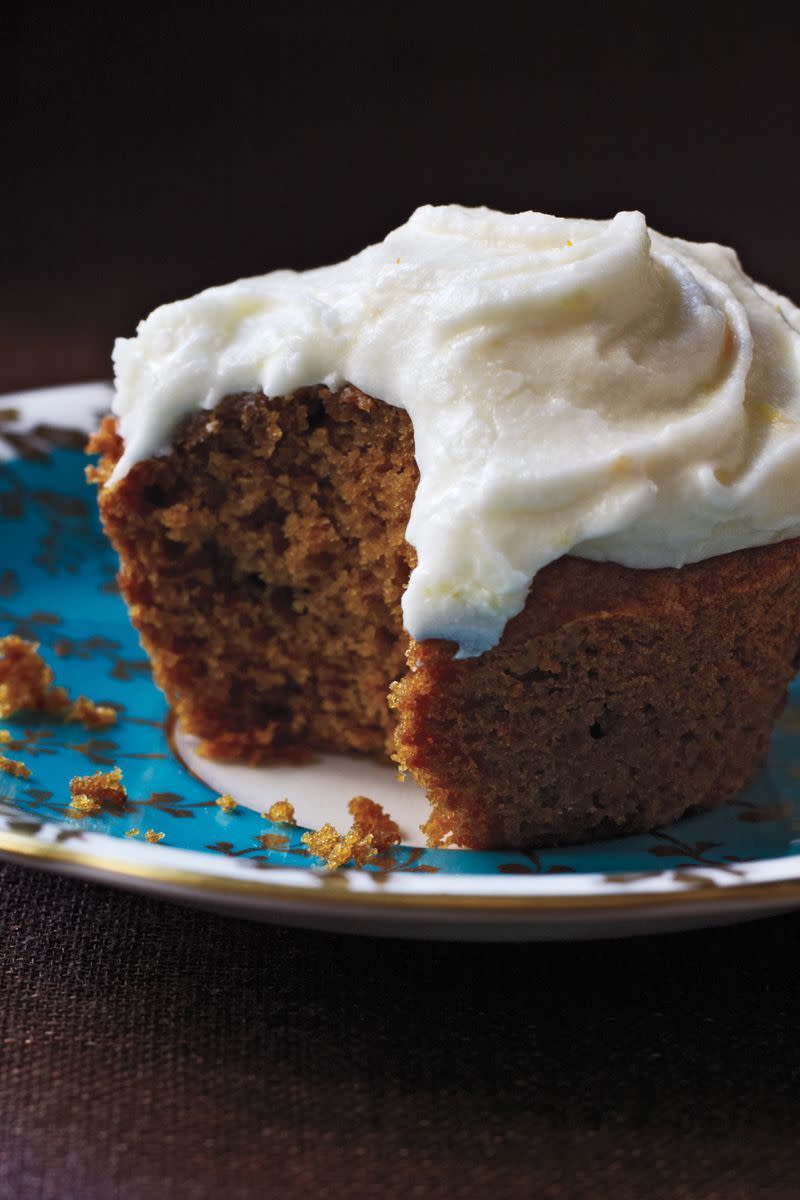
<point>26,685</point>
<point>282,813</point>
<point>372,832</point>
<point>92,794</point>
<point>12,766</point>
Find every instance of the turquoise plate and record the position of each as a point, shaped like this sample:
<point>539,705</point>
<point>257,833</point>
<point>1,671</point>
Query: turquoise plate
<point>57,588</point>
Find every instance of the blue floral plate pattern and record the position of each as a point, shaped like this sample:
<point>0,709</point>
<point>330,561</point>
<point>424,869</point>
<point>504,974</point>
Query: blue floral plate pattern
<point>57,587</point>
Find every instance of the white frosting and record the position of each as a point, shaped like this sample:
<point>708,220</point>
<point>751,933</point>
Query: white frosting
<point>582,386</point>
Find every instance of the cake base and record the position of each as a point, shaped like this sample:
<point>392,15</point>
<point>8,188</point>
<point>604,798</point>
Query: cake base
<point>263,560</point>
<point>615,702</point>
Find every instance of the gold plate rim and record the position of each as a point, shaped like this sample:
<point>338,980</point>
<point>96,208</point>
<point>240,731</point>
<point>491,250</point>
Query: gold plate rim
<point>23,849</point>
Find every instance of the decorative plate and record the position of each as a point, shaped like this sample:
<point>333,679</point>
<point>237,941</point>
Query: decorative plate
<point>57,588</point>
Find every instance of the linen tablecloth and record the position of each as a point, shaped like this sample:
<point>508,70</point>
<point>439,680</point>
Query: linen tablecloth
<point>155,1051</point>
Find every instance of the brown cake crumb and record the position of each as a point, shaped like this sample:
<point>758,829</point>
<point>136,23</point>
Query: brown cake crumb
<point>131,833</point>
<point>370,817</point>
<point>152,836</point>
<point>226,803</point>
<point>92,716</point>
<point>321,842</point>
<point>26,685</point>
<point>12,766</point>
<point>25,678</point>
<point>104,789</point>
<point>84,806</point>
<point>282,813</point>
<point>326,843</point>
<point>5,737</point>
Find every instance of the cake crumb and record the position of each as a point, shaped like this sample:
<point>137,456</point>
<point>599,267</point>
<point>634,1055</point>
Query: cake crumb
<point>152,836</point>
<point>25,678</point>
<point>84,711</point>
<point>26,685</point>
<point>131,833</point>
<point>13,766</point>
<point>282,813</point>
<point>5,737</point>
<point>226,803</point>
<point>84,806</point>
<point>370,817</point>
<point>326,843</point>
<point>105,789</point>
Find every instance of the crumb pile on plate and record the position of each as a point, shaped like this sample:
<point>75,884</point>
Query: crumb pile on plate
<point>12,766</point>
<point>92,794</point>
<point>26,686</point>
<point>373,831</point>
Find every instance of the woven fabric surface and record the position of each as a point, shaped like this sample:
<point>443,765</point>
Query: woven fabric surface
<point>155,1051</point>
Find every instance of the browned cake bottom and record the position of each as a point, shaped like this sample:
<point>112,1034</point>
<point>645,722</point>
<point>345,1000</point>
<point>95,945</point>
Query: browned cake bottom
<point>263,560</point>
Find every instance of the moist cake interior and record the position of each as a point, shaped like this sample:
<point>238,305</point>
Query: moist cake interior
<point>264,560</point>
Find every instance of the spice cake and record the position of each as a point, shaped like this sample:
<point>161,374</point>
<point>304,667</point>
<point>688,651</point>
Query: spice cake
<point>511,500</point>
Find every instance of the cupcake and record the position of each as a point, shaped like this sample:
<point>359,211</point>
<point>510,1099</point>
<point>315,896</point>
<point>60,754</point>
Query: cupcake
<point>510,500</point>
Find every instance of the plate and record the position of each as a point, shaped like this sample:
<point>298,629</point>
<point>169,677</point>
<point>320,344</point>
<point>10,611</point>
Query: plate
<point>57,587</point>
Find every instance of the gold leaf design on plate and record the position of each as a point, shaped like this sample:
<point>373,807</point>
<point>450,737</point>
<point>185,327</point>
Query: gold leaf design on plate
<point>36,443</point>
<point>534,866</point>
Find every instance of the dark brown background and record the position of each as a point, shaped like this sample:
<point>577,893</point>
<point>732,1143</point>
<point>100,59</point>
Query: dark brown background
<point>146,155</point>
<point>148,1051</point>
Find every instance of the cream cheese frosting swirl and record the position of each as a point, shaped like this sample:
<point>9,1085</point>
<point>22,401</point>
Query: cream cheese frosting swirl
<point>590,387</point>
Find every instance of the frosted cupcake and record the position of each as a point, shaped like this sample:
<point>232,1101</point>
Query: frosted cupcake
<point>540,476</point>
